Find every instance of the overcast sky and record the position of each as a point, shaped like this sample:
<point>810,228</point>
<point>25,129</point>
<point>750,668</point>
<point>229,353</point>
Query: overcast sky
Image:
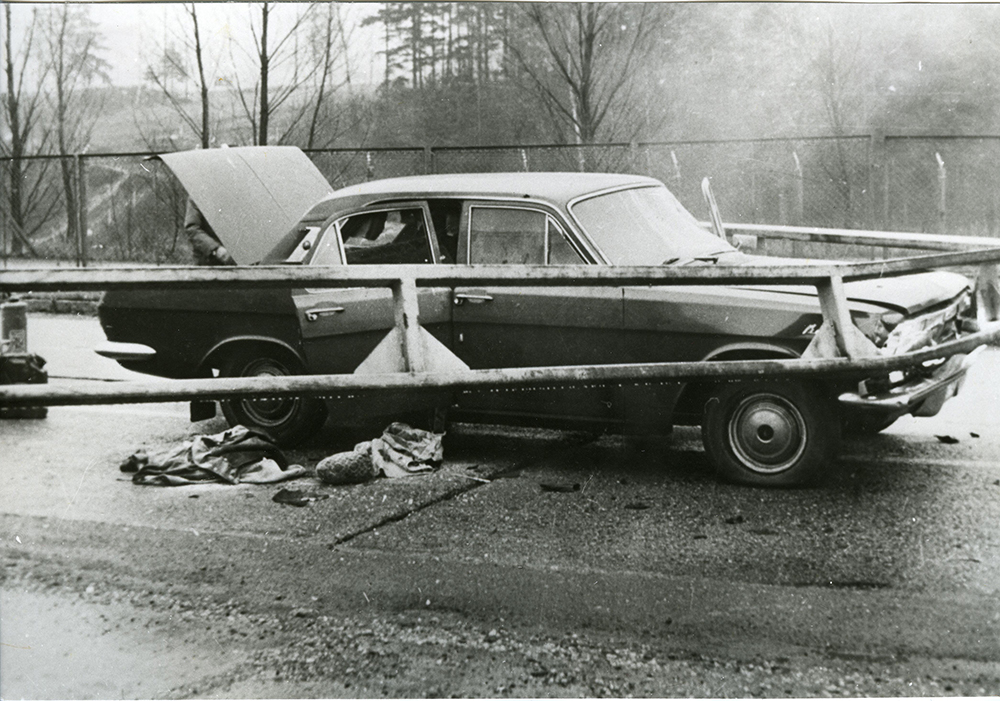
<point>130,31</point>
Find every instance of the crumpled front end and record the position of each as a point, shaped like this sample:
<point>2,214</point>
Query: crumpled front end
<point>923,389</point>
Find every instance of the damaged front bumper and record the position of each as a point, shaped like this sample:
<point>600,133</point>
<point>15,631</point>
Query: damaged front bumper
<point>919,396</point>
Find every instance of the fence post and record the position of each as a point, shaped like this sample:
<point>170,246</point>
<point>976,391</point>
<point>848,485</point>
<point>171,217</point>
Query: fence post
<point>429,165</point>
<point>369,166</point>
<point>81,211</point>
<point>5,246</point>
<point>878,182</point>
<point>799,212</point>
<point>942,195</point>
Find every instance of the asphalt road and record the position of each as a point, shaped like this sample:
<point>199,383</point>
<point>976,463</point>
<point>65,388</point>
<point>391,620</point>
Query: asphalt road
<point>640,574</point>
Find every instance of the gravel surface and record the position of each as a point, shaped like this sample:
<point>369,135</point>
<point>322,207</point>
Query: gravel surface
<point>533,564</point>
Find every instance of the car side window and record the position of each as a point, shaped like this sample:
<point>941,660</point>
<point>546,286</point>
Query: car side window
<point>327,252</point>
<point>394,236</point>
<point>505,235</point>
<point>561,251</point>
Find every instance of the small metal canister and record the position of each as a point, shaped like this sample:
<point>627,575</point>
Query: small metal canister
<point>13,327</point>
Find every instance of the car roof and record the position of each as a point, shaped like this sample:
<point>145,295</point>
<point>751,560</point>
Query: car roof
<point>556,187</point>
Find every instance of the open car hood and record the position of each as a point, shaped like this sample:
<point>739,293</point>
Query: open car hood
<point>250,195</point>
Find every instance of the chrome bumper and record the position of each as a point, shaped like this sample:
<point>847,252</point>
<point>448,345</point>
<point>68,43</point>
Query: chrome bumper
<point>125,351</point>
<point>923,397</point>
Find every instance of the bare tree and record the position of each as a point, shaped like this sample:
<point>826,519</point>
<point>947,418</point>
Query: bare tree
<point>274,59</point>
<point>75,64</point>
<point>838,67</point>
<point>174,63</point>
<point>29,200</point>
<point>580,59</point>
<point>328,43</point>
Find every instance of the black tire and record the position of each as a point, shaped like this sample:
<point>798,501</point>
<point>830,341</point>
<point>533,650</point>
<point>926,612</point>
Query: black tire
<point>777,434</point>
<point>288,421</point>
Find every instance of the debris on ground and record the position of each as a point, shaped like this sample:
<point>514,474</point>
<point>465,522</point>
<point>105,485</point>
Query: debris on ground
<point>295,497</point>
<point>237,455</point>
<point>350,467</point>
<point>559,486</point>
<point>947,440</point>
<point>401,451</point>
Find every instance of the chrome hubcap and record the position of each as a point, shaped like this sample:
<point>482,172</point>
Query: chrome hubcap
<point>767,433</point>
<point>268,412</point>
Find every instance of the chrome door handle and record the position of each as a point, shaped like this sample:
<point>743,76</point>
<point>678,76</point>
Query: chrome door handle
<point>475,298</point>
<point>315,314</point>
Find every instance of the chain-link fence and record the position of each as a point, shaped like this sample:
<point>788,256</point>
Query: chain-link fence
<point>102,208</point>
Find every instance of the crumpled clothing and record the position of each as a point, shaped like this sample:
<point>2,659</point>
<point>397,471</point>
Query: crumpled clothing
<point>233,456</point>
<point>403,450</point>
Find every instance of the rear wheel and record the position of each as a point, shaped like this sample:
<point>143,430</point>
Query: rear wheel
<point>770,433</point>
<point>288,420</point>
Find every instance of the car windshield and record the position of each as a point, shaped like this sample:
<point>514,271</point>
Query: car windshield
<point>645,226</point>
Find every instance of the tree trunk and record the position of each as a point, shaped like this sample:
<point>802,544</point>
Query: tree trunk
<point>205,126</point>
<point>264,59</point>
<point>14,199</point>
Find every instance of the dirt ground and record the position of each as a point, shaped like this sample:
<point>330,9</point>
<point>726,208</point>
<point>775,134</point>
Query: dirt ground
<point>533,564</point>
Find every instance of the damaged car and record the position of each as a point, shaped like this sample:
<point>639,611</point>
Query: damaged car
<point>270,205</point>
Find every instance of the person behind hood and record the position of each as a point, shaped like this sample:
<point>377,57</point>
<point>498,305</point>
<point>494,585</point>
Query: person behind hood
<point>207,248</point>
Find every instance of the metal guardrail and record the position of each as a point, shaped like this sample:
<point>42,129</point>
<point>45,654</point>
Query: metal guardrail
<point>283,276</point>
<point>327,385</point>
<point>859,237</point>
<point>404,281</point>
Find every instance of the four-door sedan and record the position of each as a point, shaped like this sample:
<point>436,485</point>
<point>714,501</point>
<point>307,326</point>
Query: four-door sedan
<point>270,205</point>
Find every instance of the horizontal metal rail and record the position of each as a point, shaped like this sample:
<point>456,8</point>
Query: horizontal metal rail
<point>538,377</point>
<point>283,276</point>
<point>859,237</point>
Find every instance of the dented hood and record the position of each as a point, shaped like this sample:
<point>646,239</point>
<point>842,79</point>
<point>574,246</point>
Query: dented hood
<point>909,294</point>
<point>250,195</point>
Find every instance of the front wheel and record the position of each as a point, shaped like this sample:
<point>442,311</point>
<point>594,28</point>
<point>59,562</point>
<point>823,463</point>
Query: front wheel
<point>287,420</point>
<point>770,433</point>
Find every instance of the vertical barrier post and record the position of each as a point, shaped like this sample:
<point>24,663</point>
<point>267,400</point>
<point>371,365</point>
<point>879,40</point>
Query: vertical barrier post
<point>833,303</point>
<point>407,316</point>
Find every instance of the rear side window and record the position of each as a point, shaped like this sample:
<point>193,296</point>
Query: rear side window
<point>509,236</point>
<point>391,236</point>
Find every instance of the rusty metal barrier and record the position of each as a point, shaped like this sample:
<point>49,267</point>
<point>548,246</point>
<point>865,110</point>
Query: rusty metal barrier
<point>859,237</point>
<point>415,371</point>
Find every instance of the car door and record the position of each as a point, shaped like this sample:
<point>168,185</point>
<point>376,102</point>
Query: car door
<point>341,326</point>
<point>510,327</point>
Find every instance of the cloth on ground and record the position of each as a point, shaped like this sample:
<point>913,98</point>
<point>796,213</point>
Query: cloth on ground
<point>403,450</point>
<point>233,456</point>
<point>400,451</point>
